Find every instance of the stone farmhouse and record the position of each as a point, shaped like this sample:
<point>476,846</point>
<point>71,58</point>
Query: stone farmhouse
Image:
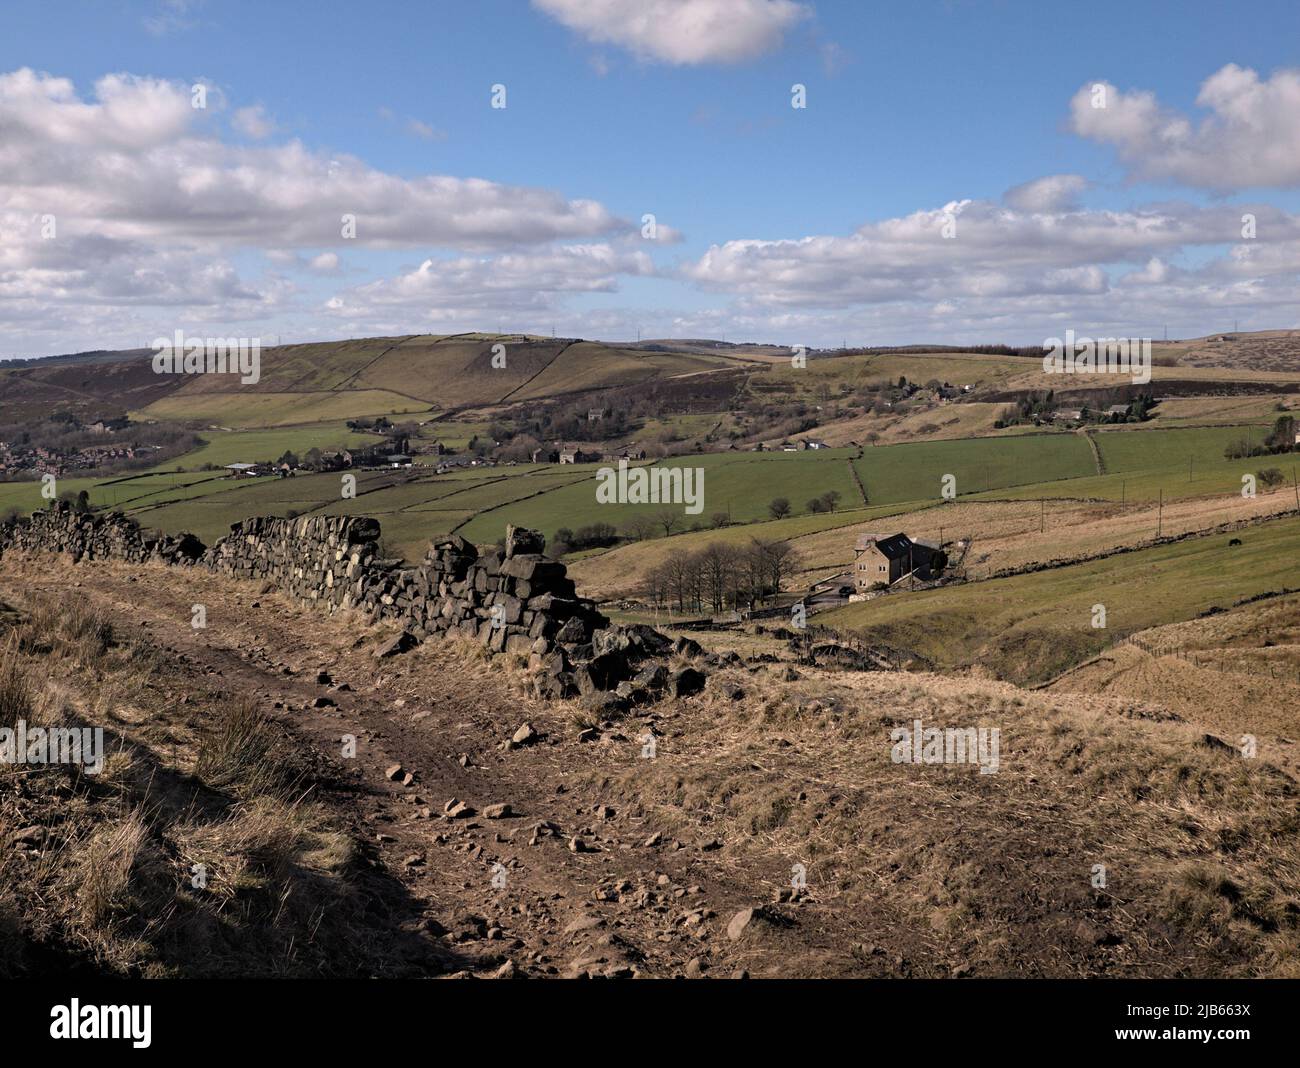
<point>884,560</point>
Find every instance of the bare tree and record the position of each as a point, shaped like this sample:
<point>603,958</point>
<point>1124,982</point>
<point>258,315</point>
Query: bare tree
<point>669,519</point>
<point>640,526</point>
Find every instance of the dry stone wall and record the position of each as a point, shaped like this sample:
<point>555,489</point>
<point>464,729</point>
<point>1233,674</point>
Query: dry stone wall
<point>512,600</point>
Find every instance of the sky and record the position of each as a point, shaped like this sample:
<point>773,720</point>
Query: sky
<point>960,172</point>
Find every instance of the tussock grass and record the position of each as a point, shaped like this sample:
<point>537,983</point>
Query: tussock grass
<point>238,752</point>
<point>15,686</point>
<point>107,863</point>
<point>108,882</point>
<point>77,629</point>
<point>1199,842</point>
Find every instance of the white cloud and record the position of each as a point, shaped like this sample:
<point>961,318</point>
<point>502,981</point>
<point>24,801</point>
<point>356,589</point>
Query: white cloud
<point>1008,272</point>
<point>325,263</point>
<point>136,163</point>
<point>155,214</point>
<point>253,122</point>
<point>682,32</point>
<point>495,285</point>
<point>1055,192</point>
<point>424,131</point>
<point>1251,138</point>
<point>170,17</point>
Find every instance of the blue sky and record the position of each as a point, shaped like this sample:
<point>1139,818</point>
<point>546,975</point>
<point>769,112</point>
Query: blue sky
<point>796,226</point>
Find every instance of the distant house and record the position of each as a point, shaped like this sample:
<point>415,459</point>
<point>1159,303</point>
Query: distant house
<point>544,455</point>
<point>632,451</point>
<point>887,559</point>
<point>334,461</point>
<point>573,454</point>
<point>398,459</point>
<point>1067,415</point>
<point>1120,410</point>
<point>809,443</point>
<point>242,470</point>
<point>789,448</point>
<point>595,415</point>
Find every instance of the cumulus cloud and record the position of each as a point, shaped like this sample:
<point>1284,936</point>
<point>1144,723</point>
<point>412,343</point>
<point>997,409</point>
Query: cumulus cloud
<point>154,214</point>
<point>495,285</point>
<point>1055,192</point>
<point>325,263</point>
<point>135,163</point>
<point>1250,139</point>
<point>682,32</point>
<point>253,122</point>
<point>1007,268</point>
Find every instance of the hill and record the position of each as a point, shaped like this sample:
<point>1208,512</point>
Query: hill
<point>909,870</point>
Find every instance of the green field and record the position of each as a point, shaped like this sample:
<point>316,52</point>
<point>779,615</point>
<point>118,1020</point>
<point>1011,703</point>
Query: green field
<point>1144,465</point>
<point>262,410</point>
<point>914,472</point>
<point>254,446</point>
<point>1147,450</point>
<point>1029,628</point>
<point>741,484</point>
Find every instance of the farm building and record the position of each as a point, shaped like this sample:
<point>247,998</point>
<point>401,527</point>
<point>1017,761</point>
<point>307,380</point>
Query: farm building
<point>242,470</point>
<point>887,559</point>
<point>573,454</point>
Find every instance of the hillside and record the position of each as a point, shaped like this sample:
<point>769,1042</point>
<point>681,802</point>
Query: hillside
<point>911,870</point>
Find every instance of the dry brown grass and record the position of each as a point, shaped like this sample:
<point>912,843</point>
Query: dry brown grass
<point>107,862</point>
<point>198,851</point>
<point>991,871</point>
<point>237,752</point>
<point>15,686</point>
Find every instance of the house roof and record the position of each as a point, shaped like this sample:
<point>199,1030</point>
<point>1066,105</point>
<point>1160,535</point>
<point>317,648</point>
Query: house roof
<point>893,546</point>
<point>240,467</point>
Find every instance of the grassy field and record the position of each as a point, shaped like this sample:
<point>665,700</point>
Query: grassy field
<point>1206,478</point>
<point>615,572</point>
<point>741,484</point>
<point>914,472</point>
<point>243,410</point>
<point>1029,628</point>
<point>1149,449</point>
<point>823,376</point>
<point>255,446</point>
<point>411,374</point>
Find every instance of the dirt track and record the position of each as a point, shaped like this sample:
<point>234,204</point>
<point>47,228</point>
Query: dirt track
<point>617,907</point>
<point>913,870</point>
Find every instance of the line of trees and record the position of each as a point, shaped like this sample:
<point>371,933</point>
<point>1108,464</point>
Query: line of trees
<point>721,575</point>
<point>1280,439</point>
